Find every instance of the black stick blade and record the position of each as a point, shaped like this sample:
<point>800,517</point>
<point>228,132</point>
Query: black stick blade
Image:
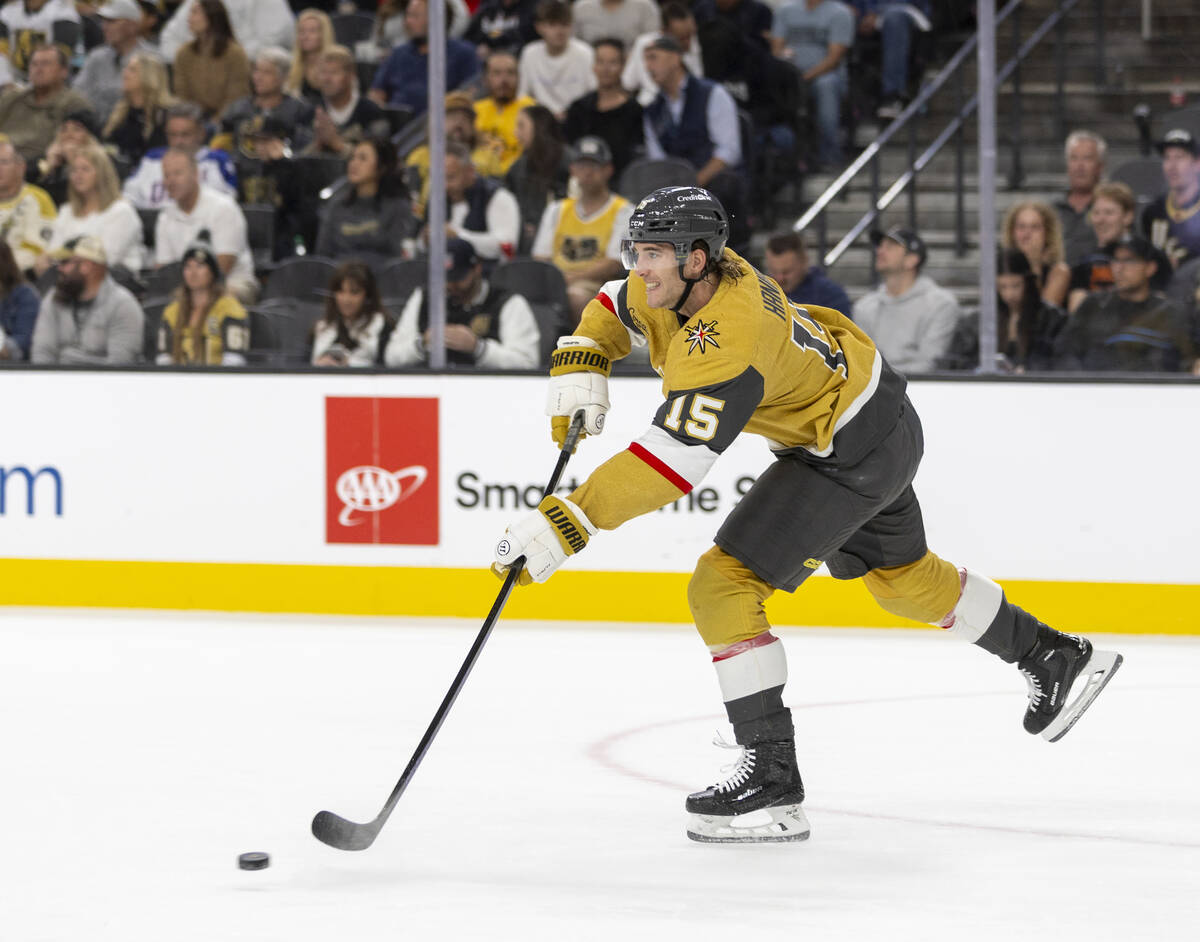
<point>336,831</point>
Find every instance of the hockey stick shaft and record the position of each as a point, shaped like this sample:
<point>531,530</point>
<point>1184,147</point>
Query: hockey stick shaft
<point>346,835</point>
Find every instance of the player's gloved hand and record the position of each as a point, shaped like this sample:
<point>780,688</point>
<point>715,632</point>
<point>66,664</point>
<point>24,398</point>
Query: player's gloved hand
<point>578,380</point>
<point>545,537</point>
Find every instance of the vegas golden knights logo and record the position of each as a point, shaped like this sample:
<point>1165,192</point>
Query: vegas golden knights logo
<point>580,248</point>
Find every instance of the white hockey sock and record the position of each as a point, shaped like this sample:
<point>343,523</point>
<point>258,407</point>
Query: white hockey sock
<point>752,674</point>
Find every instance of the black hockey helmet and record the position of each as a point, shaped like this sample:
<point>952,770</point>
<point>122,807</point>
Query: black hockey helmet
<point>679,215</point>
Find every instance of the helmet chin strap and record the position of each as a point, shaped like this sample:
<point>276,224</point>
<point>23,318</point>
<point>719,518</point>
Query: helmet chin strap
<point>688,284</point>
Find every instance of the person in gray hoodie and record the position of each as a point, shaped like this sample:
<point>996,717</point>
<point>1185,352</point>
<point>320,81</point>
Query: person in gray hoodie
<point>911,318</point>
<point>88,317</point>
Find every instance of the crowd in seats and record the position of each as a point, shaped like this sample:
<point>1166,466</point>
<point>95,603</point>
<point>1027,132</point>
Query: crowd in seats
<point>254,174</point>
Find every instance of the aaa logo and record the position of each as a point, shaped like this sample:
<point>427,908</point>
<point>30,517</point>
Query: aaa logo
<point>368,489</point>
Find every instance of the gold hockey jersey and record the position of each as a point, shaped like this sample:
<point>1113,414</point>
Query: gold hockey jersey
<point>806,378</point>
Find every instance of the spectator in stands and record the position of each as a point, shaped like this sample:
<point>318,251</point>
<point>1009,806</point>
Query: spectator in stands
<point>18,309</point>
<point>479,209</point>
<point>403,79</point>
<point>153,18</point>
<point>1026,325</point>
<point>314,35</point>
<point>27,25</point>
<point>677,22</point>
<point>78,129</point>
<point>374,221</point>
<point>26,212</point>
<point>1032,227</point>
<point>486,326</point>
<point>556,69</point>
<point>30,117</point>
<point>389,22</point>
<point>815,35</point>
<point>204,324</point>
<point>100,78</point>
<point>460,128</point>
<point>540,174</point>
<point>1130,328</point>
<point>610,112</point>
<point>1184,292</point>
<point>501,24</point>
<point>268,176</point>
<point>185,132</point>
<point>787,263</point>
<point>581,235</point>
<point>88,318</point>
<point>96,208</point>
<point>194,209</point>
<point>894,22</point>
<point>354,327</point>
<point>625,20</point>
<point>910,317</point>
<point>1172,222</point>
<point>268,99</point>
<point>496,114</point>
<point>138,122</point>
<point>748,18</point>
<point>343,116</point>
<point>254,23</point>
<point>1084,152</point>
<point>213,69</point>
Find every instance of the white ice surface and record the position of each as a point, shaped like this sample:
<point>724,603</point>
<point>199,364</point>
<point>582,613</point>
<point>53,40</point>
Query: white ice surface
<point>143,752</point>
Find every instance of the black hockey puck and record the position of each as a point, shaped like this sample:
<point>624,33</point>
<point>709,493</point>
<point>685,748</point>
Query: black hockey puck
<point>254,861</point>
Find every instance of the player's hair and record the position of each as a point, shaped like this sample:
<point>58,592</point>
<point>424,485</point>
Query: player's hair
<point>1053,251</point>
<point>553,11</point>
<point>1076,136</point>
<point>108,187</point>
<point>295,73</point>
<point>359,274</point>
<point>219,35</point>
<point>791,241</point>
<point>674,11</point>
<point>1119,193</point>
<point>722,267</point>
<point>617,44</point>
<point>156,95</point>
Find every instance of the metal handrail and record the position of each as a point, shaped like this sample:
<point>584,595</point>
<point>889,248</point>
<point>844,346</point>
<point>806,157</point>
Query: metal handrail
<point>956,123</point>
<point>872,152</point>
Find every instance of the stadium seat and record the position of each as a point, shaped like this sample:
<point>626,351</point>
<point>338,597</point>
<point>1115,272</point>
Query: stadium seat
<point>350,29</point>
<point>545,288</point>
<point>1144,176</point>
<point>162,282</point>
<point>397,280</point>
<point>260,229</point>
<point>645,175</point>
<point>304,278</point>
<point>290,330</point>
<point>153,309</point>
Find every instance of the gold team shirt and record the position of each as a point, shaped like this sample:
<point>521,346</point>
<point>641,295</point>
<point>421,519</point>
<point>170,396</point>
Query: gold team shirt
<point>497,128</point>
<point>578,244</point>
<point>806,378</point>
<point>224,330</point>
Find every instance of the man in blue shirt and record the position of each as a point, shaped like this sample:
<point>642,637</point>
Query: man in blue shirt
<point>403,79</point>
<point>787,263</point>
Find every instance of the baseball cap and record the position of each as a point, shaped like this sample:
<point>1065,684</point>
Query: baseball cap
<point>904,236</point>
<point>120,10</point>
<point>1178,137</point>
<point>666,43</point>
<point>87,247</point>
<point>592,148</point>
<point>460,259</point>
<point>1142,247</point>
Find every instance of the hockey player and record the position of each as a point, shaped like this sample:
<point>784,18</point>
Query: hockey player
<point>735,355</point>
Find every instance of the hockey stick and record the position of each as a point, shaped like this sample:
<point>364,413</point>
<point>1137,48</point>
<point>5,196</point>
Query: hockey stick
<point>338,832</point>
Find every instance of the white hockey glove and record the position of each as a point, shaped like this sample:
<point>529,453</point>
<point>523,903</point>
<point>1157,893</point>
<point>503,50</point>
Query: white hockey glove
<point>578,380</point>
<point>545,537</point>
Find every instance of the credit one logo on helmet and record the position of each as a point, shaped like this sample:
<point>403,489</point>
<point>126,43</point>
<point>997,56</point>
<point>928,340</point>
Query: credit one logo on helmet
<point>381,470</point>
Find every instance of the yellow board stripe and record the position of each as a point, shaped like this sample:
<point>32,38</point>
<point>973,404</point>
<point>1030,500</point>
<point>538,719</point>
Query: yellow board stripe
<point>570,596</point>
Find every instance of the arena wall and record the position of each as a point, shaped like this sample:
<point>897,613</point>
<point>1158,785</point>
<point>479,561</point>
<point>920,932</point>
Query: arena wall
<point>383,494</point>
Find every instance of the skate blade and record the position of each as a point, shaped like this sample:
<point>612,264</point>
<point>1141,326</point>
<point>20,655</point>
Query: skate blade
<point>1100,669</point>
<point>784,823</point>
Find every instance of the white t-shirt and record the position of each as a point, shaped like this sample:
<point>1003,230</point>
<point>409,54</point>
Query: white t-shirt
<point>119,227</point>
<point>556,81</point>
<point>175,230</point>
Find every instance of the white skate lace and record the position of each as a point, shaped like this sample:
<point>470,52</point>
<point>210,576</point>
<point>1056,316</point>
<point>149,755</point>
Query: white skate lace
<point>741,770</point>
<point>1035,689</point>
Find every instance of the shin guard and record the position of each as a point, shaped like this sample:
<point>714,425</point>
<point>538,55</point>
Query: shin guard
<point>752,675</point>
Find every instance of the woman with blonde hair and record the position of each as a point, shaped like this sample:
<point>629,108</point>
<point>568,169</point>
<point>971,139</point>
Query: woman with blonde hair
<point>314,34</point>
<point>96,207</point>
<point>1033,229</point>
<point>139,120</point>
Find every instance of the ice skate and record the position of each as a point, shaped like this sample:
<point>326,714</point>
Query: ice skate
<point>759,802</point>
<point>1059,665</point>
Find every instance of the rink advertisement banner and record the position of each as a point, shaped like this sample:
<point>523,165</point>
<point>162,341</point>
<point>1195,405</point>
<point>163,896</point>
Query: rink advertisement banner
<point>328,492</point>
<point>381,470</point>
